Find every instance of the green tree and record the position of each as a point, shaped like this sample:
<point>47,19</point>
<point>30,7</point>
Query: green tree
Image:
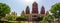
<point>55,10</point>
<point>21,19</point>
<point>48,18</point>
<point>11,17</point>
<point>4,9</point>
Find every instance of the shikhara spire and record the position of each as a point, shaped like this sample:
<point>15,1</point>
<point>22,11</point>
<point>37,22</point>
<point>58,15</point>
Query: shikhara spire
<point>35,8</point>
<point>42,10</point>
<point>27,10</point>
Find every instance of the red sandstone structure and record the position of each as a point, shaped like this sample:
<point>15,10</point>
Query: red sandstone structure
<point>35,14</point>
<point>35,8</point>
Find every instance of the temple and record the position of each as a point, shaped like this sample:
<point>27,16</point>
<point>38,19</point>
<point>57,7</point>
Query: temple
<point>35,13</point>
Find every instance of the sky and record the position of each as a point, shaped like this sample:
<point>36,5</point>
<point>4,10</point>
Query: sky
<point>19,5</point>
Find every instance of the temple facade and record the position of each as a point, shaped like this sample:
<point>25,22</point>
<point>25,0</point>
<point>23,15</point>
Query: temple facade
<point>35,13</point>
<point>14,13</point>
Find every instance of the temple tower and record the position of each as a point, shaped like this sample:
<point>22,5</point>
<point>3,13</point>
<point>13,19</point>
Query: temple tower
<point>47,13</point>
<point>35,8</point>
<point>42,10</point>
<point>14,13</point>
<point>27,10</point>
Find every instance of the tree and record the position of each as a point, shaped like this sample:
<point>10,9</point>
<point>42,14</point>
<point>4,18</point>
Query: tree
<point>4,9</point>
<point>48,18</point>
<point>11,17</point>
<point>55,10</point>
<point>21,19</point>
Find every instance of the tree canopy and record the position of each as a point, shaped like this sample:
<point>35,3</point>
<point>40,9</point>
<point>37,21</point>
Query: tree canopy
<point>4,9</point>
<point>55,10</point>
<point>21,18</point>
<point>11,17</point>
<point>48,18</point>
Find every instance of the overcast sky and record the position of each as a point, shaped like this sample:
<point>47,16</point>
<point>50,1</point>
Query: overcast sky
<point>19,5</point>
